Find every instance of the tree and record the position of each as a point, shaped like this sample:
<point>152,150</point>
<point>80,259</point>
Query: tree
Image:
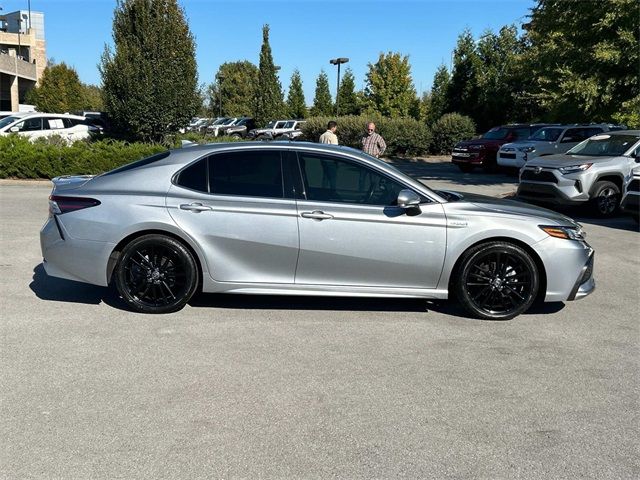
<point>92,98</point>
<point>349,104</point>
<point>584,58</point>
<point>435,104</point>
<point>463,91</point>
<point>500,80</point>
<point>269,97</point>
<point>296,104</point>
<point>239,80</point>
<point>150,81</point>
<point>322,103</point>
<point>390,89</point>
<point>60,90</point>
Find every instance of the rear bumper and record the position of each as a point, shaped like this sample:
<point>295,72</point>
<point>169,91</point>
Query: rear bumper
<point>73,259</point>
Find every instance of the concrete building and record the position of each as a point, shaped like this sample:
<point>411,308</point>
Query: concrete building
<point>23,56</point>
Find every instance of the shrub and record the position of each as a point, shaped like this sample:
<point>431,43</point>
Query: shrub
<point>51,157</point>
<point>449,130</point>
<point>403,136</point>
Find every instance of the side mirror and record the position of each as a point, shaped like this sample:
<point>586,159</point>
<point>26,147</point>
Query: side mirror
<point>14,129</point>
<point>408,198</point>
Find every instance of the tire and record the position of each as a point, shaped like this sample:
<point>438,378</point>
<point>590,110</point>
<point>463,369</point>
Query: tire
<point>605,198</point>
<point>156,274</point>
<point>236,135</point>
<point>496,281</point>
<point>465,167</point>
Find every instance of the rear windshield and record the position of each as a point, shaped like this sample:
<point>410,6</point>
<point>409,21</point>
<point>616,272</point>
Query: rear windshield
<point>139,163</point>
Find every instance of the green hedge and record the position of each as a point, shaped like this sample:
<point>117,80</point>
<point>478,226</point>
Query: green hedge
<point>448,130</point>
<point>404,136</point>
<point>48,158</point>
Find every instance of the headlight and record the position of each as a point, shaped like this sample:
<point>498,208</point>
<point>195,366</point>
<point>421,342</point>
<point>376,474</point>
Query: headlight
<point>575,168</point>
<point>568,233</point>
<point>527,149</point>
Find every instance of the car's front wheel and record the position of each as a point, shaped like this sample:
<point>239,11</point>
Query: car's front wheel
<point>606,198</point>
<point>156,274</point>
<point>496,280</point>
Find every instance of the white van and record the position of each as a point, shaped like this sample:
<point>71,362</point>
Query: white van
<point>38,125</point>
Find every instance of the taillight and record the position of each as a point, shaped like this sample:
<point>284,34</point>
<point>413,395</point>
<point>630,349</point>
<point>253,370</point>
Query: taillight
<point>59,205</point>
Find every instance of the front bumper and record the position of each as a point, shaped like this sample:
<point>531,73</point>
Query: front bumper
<point>459,156</point>
<point>548,186</point>
<point>512,158</point>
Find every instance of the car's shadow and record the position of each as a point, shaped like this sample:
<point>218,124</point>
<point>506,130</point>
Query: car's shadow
<point>60,290</point>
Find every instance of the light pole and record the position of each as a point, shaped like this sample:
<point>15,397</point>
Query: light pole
<point>220,79</point>
<point>338,62</point>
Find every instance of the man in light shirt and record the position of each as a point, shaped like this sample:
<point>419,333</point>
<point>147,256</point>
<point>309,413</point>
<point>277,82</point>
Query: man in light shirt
<point>330,135</point>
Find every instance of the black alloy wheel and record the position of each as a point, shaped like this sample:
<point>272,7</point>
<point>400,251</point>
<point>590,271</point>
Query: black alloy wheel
<point>156,274</point>
<point>496,281</point>
<point>606,198</point>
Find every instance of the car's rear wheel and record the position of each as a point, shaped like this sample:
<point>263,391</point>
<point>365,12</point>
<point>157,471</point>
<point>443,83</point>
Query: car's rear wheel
<point>606,198</point>
<point>236,135</point>
<point>156,274</point>
<point>496,280</point>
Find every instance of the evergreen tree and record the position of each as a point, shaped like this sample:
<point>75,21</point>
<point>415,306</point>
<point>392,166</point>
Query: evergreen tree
<point>269,97</point>
<point>60,90</point>
<point>322,103</point>
<point>463,91</point>
<point>349,104</point>
<point>239,81</point>
<point>150,81</point>
<point>92,98</point>
<point>436,102</point>
<point>296,104</point>
<point>390,89</point>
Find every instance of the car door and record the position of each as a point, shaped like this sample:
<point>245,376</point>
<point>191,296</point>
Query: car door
<point>30,127</point>
<point>233,204</point>
<point>353,234</point>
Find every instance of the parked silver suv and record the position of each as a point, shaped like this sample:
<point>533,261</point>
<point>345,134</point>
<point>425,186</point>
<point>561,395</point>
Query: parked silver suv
<point>592,171</point>
<point>549,140</point>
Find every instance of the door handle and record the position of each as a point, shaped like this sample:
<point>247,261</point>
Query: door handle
<point>316,215</point>
<point>195,207</point>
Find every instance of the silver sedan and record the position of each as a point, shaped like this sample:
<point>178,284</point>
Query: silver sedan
<point>305,219</point>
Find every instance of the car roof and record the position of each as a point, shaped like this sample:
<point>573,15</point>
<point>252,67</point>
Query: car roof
<point>23,115</point>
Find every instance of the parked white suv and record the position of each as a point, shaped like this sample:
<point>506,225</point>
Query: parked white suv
<point>41,125</point>
<point>550,140</point>
<point>276,128</point>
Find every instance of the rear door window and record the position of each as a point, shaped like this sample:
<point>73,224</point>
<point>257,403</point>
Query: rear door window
<point>251,173</point>
<point>53,124</point>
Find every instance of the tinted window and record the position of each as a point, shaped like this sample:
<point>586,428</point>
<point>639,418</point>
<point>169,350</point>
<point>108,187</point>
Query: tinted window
<point>547,134</point>
<point>521,133</point>
<point>30,124</point>
<point>328,179</point>
<point>194,177</point>
<point>496,133</point>
<point>250,173</point>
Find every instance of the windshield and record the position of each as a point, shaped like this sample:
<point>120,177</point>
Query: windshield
<point>547,134</point>
<point>8,120</point>
<point>270,124</point>
<point>605,145</point>
<point>496,134</point>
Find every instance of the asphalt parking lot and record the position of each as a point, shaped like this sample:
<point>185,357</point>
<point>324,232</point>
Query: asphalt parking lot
<point>282,387</point>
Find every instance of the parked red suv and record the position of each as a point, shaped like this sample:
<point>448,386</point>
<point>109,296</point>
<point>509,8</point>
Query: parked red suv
<point>482,151</point>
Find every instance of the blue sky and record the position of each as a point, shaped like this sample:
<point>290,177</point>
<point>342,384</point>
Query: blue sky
<point>305,34</point>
